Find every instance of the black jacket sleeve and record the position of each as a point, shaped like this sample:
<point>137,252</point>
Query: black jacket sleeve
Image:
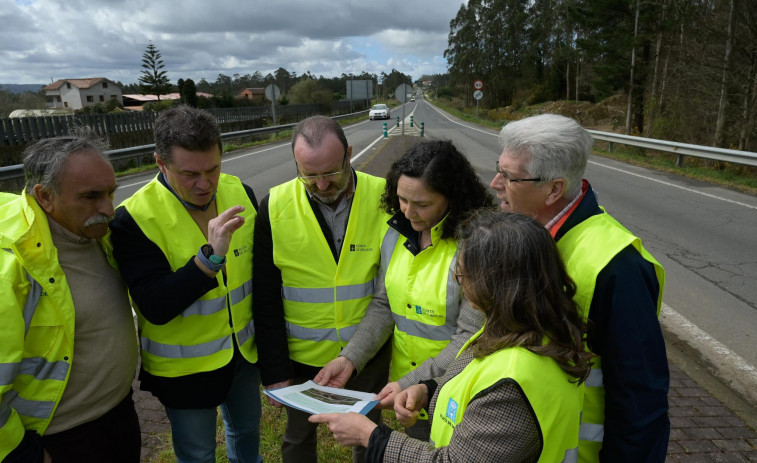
<point>160,293</point>
<point>267,305</point>
<point>29,450</point>
<point>625,331</point>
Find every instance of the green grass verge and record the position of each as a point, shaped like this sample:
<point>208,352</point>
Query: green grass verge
<point>272,426</point>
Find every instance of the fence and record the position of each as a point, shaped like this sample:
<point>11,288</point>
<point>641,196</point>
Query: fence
<point>129,129</point>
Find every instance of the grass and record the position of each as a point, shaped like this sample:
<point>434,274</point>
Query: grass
<point>272,426</point>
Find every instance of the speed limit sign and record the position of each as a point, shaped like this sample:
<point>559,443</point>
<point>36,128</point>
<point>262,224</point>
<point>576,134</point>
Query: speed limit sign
<point>478,84</point>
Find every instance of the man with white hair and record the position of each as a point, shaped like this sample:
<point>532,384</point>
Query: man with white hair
<point>619,287</point>
<point>68,353</point>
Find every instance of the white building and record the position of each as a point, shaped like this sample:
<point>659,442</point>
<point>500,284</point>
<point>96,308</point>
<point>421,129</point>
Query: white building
<point>78,93</point>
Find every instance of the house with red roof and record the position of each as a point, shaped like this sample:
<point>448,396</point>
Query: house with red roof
<point>78,93</point>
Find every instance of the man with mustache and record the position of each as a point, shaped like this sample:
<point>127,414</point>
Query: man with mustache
<point>68,352</point>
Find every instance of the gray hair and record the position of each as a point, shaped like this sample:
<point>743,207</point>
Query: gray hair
<point>314,128</point>
<point>44,160</point>
<point>187,127</point>
<point>558,147</point>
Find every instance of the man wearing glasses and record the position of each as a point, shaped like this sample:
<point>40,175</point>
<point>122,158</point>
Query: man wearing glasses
<point>619,287</point>
<point>317,249</point>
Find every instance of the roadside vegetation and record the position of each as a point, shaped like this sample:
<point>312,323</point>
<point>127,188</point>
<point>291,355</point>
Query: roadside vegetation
<point>607,116</point>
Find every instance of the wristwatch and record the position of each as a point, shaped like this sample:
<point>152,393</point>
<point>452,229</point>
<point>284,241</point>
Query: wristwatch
<point>210,260</point>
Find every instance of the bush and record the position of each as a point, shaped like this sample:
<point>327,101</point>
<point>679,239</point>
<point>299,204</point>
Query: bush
<point>158,105</point>
<point>445,92</point>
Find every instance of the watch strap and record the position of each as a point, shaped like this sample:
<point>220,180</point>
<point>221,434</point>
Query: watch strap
<point>213,262</point>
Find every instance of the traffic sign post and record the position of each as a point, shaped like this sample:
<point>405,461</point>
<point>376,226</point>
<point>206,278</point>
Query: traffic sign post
<point>478,94</point>
<point>402,91</point>
<point>273,93</point>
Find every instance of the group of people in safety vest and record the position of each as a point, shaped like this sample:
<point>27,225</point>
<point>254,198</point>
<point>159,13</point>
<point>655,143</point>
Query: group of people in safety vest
<point>528,333</point>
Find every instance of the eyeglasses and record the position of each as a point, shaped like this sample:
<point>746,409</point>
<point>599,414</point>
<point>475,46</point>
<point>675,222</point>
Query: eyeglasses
<point>331,176</point>
<point>458,275</point>
<point>509,180</point>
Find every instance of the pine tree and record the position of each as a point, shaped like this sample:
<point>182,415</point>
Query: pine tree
<point>153,79</point>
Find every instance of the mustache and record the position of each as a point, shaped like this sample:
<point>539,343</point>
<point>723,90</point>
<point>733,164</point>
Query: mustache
<point>98,219</point>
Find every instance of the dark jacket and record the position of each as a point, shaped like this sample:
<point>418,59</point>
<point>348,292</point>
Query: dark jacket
<point>625,331</point>
<point>161,295</point>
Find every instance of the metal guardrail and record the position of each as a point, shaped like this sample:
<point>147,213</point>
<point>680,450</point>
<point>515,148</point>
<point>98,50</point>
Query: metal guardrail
<point>683,149</point>
<point>17,171</point>
<point>705,152</point>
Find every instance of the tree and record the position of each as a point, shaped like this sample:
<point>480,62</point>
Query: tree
<point>309,91</point>
<point>153,79</point>
<point>190,93</point>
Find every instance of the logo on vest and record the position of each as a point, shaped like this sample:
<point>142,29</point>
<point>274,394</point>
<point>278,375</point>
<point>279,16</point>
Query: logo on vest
<point>427,312</point>
<point>360,248</point>
<point>241,250</point>
<point>451,410</point>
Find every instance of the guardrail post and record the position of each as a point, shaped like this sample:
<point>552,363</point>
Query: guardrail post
<point>385,135</point>
<point>610,146</point>
<point>411,121</point>
<point>679,160</point>
<point>422,125</point>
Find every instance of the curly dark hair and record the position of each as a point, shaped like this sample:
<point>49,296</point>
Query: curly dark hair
<point>444,170</point>
<point>512,271</point>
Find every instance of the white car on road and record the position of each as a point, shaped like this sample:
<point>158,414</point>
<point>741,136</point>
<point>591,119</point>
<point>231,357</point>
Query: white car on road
<point>379,111</point>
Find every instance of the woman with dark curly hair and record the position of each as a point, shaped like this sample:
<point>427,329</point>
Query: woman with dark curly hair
<point>429,190</point>
<point>512,393</point>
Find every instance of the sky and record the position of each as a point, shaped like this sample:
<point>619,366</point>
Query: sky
<point>46,40</point>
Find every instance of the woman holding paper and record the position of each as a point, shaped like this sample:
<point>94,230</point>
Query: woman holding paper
<point>429,190</point>
<point>512,393</point>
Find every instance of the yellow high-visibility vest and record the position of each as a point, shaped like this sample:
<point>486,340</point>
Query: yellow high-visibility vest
<point>552,394</point>
<point>200,338</point>
<point>424,298</point>
<point>325,301</point>
<point>586,249</point>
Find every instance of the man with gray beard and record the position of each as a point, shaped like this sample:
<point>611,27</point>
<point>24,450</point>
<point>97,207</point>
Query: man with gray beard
<point>68,353</point>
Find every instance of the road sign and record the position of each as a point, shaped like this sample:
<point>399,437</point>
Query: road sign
<point>478,84</point>
<point>403,92</point>
<point>478,94</point>
<point>272,92</point>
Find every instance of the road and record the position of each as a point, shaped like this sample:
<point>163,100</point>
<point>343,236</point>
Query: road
<point>702,234</point>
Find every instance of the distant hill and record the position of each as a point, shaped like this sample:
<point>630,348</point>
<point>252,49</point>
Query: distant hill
<point>21,88</point>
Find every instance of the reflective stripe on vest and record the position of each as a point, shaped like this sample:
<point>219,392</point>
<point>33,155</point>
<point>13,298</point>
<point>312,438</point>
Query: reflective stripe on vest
<point>324,299</point>
<point>583,262</point>
<point>321,334</point>
<point>211,306</point>
<point>201,338</point>
<point>326,295</point>
<point>40,409</point>
<point>196,350</point>
<point>32,298</point>
<point>423,296</point>
<point>8,372</point>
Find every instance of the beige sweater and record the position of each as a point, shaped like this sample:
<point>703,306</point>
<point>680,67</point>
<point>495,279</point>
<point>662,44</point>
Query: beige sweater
<point>105,342</point>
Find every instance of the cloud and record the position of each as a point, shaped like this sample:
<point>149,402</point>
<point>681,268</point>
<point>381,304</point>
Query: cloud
<point>44,39</point>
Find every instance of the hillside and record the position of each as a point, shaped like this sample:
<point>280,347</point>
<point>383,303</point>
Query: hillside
<point>21,88</point>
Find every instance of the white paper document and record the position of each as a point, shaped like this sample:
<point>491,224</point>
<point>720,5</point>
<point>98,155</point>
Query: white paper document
<point>314,399</point>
